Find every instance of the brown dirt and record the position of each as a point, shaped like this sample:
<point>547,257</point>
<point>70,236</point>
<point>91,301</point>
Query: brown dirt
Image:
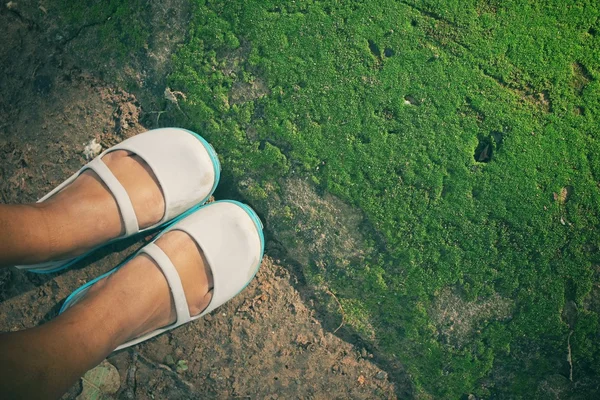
<point>457,320</point>
<point>269,342</point>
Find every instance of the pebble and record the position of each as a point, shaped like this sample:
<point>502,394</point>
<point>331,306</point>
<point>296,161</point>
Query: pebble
<point>381,375</point>
<point>92,149</point>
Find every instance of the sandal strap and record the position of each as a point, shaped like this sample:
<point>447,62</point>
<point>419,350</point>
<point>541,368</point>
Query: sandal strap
<point>174,281</point>
<point>119,193</point>
<point>183,171</point>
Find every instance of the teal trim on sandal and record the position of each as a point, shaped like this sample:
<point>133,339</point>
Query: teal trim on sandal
<point>214,158</point>
<point>259,227</point>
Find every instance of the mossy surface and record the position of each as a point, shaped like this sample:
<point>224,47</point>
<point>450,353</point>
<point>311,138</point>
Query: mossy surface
<point>465,132</point>
<point>120,29</point>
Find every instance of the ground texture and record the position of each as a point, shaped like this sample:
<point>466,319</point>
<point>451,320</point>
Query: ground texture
<point>427,170</point>
<point>267,343</point>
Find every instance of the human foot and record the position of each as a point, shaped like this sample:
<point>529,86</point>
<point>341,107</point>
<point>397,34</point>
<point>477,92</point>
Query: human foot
<point>143,182</point>
<point>132,297</point>
<point>136,299</point>
<point>85,213</point>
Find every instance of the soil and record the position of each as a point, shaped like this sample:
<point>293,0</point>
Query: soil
<point>270,342</point>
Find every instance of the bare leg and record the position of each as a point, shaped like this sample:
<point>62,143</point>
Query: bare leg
<point>80,217</point>
<point>22,234</point>
<point>43,362</point>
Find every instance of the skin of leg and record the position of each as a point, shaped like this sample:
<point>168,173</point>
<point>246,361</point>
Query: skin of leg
<point>81,216</point>
<point>43,362</point>
<point>23,234</point>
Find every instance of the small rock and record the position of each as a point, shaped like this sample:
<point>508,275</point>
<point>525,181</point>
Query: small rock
<point>381,375</point>
<point>92,149</point>
<point>302,339</point>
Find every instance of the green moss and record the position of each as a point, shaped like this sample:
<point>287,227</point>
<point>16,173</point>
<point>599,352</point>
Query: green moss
<point>450,125</point>
<point>120,28</point>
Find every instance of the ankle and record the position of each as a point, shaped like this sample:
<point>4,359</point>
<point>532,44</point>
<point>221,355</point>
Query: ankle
<point>93,322</point>
<point>71,221</point>
<point>51,235</point>
<point>27,239</point>
<point>135,317</point>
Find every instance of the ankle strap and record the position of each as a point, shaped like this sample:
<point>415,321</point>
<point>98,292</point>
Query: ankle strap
<point>119,193</point>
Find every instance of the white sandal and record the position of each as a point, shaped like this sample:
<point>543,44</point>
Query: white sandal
<point>185,165</point>
<point>231,238</point>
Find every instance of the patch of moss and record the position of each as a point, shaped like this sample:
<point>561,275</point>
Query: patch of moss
<point>121,28</point>
<point>391,106</point>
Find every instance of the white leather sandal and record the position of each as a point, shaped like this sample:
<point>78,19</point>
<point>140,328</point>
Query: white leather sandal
<point>231,238</point>
<point>185,165</point>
